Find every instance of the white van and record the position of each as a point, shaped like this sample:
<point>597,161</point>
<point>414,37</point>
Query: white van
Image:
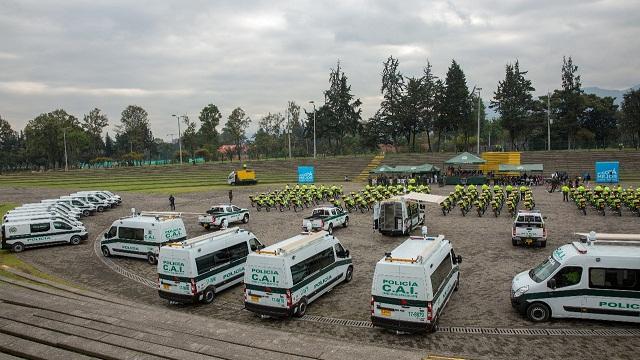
<point>413,283</point>
<point>56,210</point>
<point>20,235</point>
<point>100,204</point>
<point>282,279</point>
<point>86,208</point>
<point>60,203</point>
<point>595,279</point>
<point>397,216</point>
<point>198,268</point>
<point>60,207</point>
<point>141,235</point>
<point>39,216</point>
<point>98,196</point>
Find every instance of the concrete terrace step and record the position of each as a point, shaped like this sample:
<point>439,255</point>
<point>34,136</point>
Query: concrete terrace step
<point>55,322</point>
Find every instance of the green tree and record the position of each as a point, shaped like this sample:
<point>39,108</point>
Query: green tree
<point>109,147</point>
<point>296,128</point>
<point>9,146</point>
<point>189,136</point>
<point>390,114</point>
<point>93,123</point>
<point>413,110</point>
<point>441,125</point>
<point>236,127</point>
<point>600,119</point>
<point>571,102</point>
<point>429,102</point>
<point>513,100</point>
<point>210,117</point>
<point>45,136</point>
<point>456,102</point>
<point>269,138</point>
<point>134,134</point>
<point>630,122</point>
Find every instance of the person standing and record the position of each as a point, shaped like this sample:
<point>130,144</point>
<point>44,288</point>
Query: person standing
<point>172,202</point>
<point>565,192</point>
<point>230,196</point>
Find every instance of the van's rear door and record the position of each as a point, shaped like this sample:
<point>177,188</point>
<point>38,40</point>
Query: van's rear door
<point>175,271</point>
<point>265,282</point>
<point>398,296</point>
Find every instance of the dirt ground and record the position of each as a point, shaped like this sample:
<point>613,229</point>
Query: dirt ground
<point>490,262</point>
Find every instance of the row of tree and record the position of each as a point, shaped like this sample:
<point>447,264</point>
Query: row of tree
<point>419,112</point>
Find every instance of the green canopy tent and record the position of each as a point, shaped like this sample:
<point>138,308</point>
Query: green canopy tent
<point>465,159</point>
<point>406,169</point>
<point>520,168</point>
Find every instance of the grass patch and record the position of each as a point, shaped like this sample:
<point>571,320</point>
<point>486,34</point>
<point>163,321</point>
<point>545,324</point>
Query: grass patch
<point>8,259</point>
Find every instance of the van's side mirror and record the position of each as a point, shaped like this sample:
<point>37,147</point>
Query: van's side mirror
<point>459,259</point>
<point>254,247</point>
<point>346,253</point>
<point>104,235</point>
<point>544,218</point>
<point>551,284</point>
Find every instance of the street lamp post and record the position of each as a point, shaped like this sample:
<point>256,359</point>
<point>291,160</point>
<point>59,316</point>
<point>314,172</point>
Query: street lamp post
<point>548,121</point>
<point>179,137</point>
<point>478,146</point>
<point>64,138</point>
<point>314,128</point>
<point>289,126</point>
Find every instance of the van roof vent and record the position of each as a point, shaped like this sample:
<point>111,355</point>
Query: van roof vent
<point>593,238</point>
<point>161,215</point>
<point>300,243</point>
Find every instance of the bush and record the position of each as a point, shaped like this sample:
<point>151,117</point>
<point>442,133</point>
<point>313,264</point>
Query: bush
<point>203,153</point>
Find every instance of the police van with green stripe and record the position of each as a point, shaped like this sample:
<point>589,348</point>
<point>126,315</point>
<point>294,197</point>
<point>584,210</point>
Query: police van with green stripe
<point>282,279</point>
<point>413,283</point>
<point>597,278</point>
<point>141,235</point>
<point>19,235</point>
<point>196,269</point>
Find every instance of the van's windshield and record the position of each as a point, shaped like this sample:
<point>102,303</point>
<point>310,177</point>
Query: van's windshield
<point>542,271</point>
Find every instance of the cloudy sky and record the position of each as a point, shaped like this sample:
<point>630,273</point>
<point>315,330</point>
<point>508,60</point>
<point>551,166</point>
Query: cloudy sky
<point>177,56</point>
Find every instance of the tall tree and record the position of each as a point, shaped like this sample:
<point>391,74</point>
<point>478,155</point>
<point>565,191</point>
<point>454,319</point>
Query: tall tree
<point>93,123</point>
<point>456,102</point>
<point>631,115</point>
<point>236,127</point>
<point>210,117</point>
<point>134,134</point>
<point>390,114</point>
<point>571,104</point>
<point>429,102</point>
<point>441,125</point>
<point>109,148</point>
<point>600,118</point>
<point>9,145</point>
<point>189,136</point>
<point>413,111</point>
<point>513,100</point>
<point>45,137</point>
<point>295,128</point>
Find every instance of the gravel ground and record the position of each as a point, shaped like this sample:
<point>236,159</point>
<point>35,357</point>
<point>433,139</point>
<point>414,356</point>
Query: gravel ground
<point>490,262</point>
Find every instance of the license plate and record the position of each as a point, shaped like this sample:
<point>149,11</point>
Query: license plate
<point>166,286</point>
<point>385,312</point>
<point>255,298</point>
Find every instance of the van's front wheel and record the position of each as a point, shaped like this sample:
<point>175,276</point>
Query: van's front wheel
<point>208,295</point>
<point>302,308</point>
<point>105,251</point>
<point>538,312</point>
<point>17,247</point>
<point>75,240</point>
<point>349,274</point>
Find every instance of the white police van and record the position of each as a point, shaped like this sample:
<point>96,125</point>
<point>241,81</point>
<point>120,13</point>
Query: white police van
<point>141,235</point>
<point>19,235</point>
<point>413,283</point>
<point>22,212</point>
<point>198,268</point>
<point>101,205</point>
<point>65,205</point>
<point>597,278</point>
<point>38,216</point>
<point>60,207</point>
<point>99,195</point>
<point>282,279</point>
<point>86,208</point>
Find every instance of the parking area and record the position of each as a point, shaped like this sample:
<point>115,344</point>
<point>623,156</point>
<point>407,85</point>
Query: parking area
<point>490,262</point>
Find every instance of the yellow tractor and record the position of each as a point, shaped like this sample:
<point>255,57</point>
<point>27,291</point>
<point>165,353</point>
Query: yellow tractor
<point>242,177</point>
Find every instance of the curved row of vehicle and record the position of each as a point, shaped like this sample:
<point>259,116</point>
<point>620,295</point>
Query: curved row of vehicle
<point>53,221</point>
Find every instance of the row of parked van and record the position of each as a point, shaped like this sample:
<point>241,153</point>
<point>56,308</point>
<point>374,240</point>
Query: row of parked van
<point>53,221</point>
<point>411,284</point>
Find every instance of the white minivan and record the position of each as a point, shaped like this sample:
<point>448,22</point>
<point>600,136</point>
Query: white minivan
<point>19,235</point>
<point>282,279</point>
<point>86,208</point>
<point>60,207</point>
<point>196,269</point>
<point>141,235</point>
<point>597,278</point>
<point>413,283</point>
<point>38,216</point>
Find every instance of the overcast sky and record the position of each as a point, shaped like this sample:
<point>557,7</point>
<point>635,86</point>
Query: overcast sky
<point>177,56</point>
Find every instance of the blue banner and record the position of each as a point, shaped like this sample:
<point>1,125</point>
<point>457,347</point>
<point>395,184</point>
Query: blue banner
<point>607,171</point>
<point>306,174</point>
